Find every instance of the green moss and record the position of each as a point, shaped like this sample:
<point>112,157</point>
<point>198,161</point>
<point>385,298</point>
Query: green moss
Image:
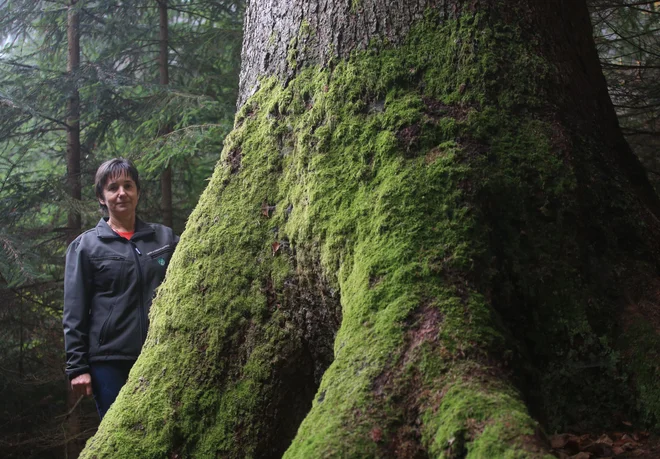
<point>305,29</point>
<point>476,421</point>
<point>292,53</point>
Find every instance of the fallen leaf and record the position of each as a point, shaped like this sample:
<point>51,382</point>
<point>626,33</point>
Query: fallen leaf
<point>276,246</point>
<point>629,446</point>
<point>558,441</point>
<point>599,449</point>
<point>629,442</point>
<point>582,455</point>
<point>585,440</point>
<point>267,210</point>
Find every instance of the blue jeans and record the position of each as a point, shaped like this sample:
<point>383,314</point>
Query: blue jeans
<point>107,380</point>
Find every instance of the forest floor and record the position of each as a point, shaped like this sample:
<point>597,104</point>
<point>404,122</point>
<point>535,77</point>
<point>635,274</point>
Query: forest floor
<point>619,445</point>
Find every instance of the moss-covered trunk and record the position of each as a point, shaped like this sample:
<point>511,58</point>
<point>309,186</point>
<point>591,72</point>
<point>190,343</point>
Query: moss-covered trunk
<point>426,237</point>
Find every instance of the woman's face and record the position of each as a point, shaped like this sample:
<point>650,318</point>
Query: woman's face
<point>120,195</point>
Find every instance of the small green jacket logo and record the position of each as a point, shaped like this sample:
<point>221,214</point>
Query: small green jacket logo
<point>161,261</point>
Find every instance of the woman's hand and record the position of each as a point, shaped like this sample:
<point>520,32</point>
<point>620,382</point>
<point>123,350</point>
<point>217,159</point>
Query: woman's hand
<point>82,385</point>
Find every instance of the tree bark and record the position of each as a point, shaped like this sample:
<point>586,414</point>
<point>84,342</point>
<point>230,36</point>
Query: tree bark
<point>73,121</point>
<point>73,157</point>
<point>426,238</point>
<point>163,67</point>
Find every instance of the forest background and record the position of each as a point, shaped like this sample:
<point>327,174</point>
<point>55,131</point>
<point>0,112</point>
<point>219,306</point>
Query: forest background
<point>155,81</point>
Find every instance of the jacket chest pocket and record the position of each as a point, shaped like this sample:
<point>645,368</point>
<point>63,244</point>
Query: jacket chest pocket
<point>157,264</point>
<point>161,256</point>
<point>109,273</point>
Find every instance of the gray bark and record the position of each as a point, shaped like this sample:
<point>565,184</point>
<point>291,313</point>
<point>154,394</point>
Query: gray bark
<point>73,446</point>
<point>163,67</point>
<point>73,120</point>
<point>282,35</point>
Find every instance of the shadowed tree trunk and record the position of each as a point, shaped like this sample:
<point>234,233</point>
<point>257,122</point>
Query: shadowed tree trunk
<point>73,426</point>
<point>73,121</point>
<point>426,238</point>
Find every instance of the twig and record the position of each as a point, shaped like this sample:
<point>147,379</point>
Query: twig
<point>66,415</point>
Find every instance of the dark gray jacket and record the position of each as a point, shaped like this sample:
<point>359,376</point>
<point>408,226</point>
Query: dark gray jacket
<point>109,283</point>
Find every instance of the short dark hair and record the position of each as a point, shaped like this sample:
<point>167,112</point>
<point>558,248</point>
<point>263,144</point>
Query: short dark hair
<point>113,168</point>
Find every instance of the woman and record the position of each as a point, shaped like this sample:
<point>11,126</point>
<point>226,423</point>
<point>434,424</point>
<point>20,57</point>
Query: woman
<point>111,274</point>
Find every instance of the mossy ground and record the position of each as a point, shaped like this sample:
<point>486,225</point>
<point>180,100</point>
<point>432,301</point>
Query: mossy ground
<point>437,195</point>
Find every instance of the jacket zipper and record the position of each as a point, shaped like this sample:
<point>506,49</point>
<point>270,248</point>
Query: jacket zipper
<point>104,327</point>
<point>143,319</point>
<point>165,248</point>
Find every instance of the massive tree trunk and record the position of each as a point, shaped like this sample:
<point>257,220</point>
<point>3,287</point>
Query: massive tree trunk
<point>426,237</point>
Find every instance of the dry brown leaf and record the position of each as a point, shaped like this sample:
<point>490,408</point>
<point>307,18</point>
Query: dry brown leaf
<point>582,455</point>
<point>617,450</point>
<point>558,441</point>
<point>267,210</point>
<point>584,440</point>
<point>629,446</point>
<point>376,434</point>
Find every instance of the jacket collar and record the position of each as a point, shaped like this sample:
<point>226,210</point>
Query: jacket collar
<point>104,231</point>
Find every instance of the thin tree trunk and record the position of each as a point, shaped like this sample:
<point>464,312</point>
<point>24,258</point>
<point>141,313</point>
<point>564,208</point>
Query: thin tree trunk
<point>73,121</point>
<point>21,357</point>
<point>163,66</point>
<point>73,157</point>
